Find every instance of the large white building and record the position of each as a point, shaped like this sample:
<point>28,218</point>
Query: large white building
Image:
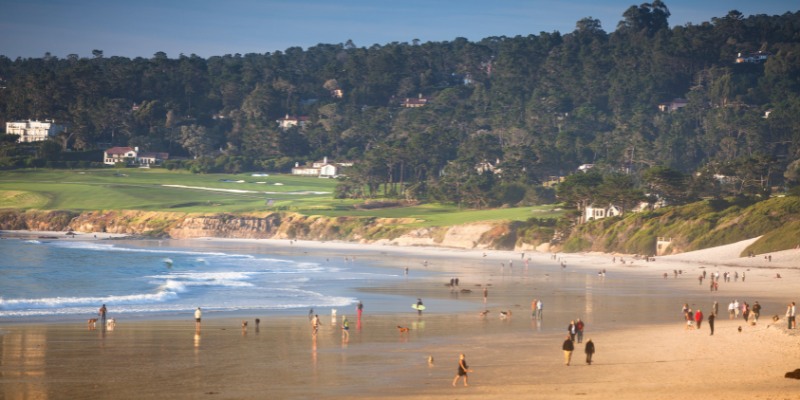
<point>33,131</point>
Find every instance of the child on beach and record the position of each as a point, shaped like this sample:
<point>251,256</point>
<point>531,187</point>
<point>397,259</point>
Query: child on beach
<point>345,329</point>
<point>462,370</point>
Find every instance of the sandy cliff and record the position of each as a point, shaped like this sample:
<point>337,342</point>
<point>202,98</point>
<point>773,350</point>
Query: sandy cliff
<point>392,231</point>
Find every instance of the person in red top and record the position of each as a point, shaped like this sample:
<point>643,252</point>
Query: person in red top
<point>698,317</point>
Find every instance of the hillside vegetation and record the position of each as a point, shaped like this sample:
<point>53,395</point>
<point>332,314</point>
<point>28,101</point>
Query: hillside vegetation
<point>527,107</point>
<point>695,226</point>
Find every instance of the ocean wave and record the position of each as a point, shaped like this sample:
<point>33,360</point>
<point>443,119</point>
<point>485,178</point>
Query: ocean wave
<point>111,247</point>
<point>56,302</point>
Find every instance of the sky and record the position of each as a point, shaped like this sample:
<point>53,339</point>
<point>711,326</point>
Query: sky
<point>141,28</point>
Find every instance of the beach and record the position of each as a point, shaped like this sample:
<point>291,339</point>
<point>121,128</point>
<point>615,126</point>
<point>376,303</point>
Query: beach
<point>633,315</point>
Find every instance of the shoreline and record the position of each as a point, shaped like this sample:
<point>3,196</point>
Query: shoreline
<point>643,347</point>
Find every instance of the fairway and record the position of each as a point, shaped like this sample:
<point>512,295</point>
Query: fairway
<point>180,191</point>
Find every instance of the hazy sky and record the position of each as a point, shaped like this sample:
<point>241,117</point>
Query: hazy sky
<point>140,28</point>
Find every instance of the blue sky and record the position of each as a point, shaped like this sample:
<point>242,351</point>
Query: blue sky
<point>140,28</point>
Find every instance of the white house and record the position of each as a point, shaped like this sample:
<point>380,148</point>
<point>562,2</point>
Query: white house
<point>322,169</point>
<point>593,212</point>
<point>289,121</point>
<point>33,131</point>
<point>131,155</point>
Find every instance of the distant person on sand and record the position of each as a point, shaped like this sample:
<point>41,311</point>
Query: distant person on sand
<point>102,312</point>
<point>568,347</point>
<point>485,294</point>
<point>579,330</point>
<point>463,369</point>
<point>756,310</point>
<point>572,330</point>
<point>345,329</point>
<point>539,309</point>
<point>360,309</point>
<point>419,306</point>
<point>711,319</point>
<point>698,317</point>
<point>315,323</point>
<point>589,350</point>
<point>198,315</point>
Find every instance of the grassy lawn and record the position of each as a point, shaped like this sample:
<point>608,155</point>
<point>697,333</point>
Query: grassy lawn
<point>180,191</point>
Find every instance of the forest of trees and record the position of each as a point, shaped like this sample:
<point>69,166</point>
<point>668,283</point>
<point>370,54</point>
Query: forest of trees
<point>537,106</point>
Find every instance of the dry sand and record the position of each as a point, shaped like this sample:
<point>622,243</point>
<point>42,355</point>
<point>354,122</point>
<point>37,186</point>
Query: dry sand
<point>643,350</point>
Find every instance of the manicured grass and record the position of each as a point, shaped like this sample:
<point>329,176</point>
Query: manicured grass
<point>144,189</point>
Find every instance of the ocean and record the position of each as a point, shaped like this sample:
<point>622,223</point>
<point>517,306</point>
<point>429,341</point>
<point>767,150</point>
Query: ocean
<point>61,279</point>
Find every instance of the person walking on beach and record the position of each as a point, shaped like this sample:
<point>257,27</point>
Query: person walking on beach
<point>689,319</point>
<point>345,329</point>
<point>419,306</point>
<point>359,309</point>
<point>698,318</point>
<point>756,310</point>
<point>463,369</point>
<point>572,330</point>
<point>715,308</point>
<point>731,310</point>
<point>485,294</point>
<point>711,319</point>
<point>568,347</point>
<point>589,350</point>
<point>315,323</point>
<point>579,330</point>
<point>790,316</point>
<point>198,315</point>
<point>539,309</point>
<point>736,308</point>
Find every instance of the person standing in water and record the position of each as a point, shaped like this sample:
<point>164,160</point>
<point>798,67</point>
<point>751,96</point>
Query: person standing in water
<point>102,312</point>
<point>345,329</point>
<point>463,369</point>
<point>419,306</point>
<point>360,309</point>
<point>198,315</point>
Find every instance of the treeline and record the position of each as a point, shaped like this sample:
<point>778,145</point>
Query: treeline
<point>503,113</point>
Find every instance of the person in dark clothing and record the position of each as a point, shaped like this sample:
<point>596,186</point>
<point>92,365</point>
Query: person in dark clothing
<point>568,347</point>
<point>589,350</point>
<point>711,319</point>
<point>463,369</point>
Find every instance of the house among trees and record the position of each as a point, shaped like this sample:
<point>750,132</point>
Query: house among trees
<point>753,57</point>
<point>132,156</point>
<point>33,131</point>
<point>593,212</point>
<point>411,102</point>
<point>289,121</point>
<point>673,105</point>
<point>322,169</point>
<point>484,166</point>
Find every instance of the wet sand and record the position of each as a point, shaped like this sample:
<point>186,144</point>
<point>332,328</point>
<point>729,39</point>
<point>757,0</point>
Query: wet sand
<point>632,315</point>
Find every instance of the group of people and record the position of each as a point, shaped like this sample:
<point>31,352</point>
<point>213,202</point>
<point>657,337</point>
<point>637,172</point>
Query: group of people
<point>747,311</point>
<point>694,319</point>
<point>575,330</point>
<point>536,309</point>
<point>569,346</point>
